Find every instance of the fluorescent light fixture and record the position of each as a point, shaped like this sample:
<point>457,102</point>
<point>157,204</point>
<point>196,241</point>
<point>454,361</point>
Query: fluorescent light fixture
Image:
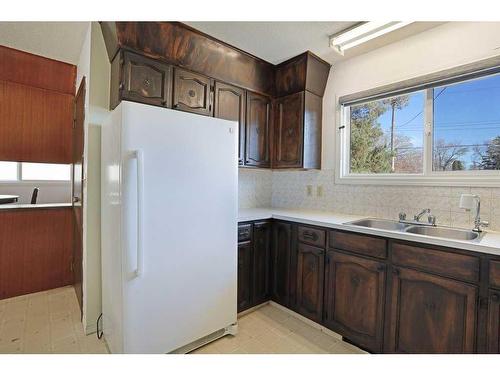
<point>362,33</point>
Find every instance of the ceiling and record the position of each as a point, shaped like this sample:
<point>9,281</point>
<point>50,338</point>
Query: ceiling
<point>278,41</point>
<point>61,41</point>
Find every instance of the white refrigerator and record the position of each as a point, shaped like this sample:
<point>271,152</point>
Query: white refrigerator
<point>169,229</point>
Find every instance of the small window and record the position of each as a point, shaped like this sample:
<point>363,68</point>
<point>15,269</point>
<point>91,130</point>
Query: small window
<point>467,125</point>
<point>45,172</point>
<point>387,135</point>
<point>8,171</point>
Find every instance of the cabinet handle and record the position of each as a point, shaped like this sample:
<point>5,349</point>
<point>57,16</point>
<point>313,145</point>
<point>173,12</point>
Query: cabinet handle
<point>312,236</point>
<point>395,271</point>
<point>121,86</point>
<point>381,267</point>
<point>146,82</point>
<point>495,297</point>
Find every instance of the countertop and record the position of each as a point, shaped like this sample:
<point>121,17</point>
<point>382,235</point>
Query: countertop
<point>489,243</point>
<point>16,206</point>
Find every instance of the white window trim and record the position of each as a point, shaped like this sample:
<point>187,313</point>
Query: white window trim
<point>429,177</point>
<point>19,181</point>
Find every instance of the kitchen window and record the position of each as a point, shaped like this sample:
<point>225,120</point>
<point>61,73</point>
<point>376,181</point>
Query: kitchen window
<point>17,172</point>
<point>441,133</point>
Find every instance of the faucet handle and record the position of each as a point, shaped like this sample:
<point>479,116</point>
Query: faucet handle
<point>402,216</point>
<point>484,223</point>
<point>431,219</point>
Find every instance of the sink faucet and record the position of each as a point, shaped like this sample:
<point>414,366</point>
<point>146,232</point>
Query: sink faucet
<point>424,211</point>
<point>467,202</point>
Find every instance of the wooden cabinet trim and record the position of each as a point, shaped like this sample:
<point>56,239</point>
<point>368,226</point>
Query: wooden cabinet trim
<point>358,243</point>
<point>495,273</point>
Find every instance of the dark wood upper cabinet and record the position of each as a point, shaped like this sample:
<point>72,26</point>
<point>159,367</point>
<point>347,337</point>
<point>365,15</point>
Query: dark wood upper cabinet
<point>244,275</point>
<point>310,279</point>
<point>431,314</point>
<point>261,257</point>
<point>192,92</point>
<point>145,80</point>
<point>280,262</point>
<point>288,131</point>
<point>354,298</point>
<point>493,327</point>
<point>258,130</point>
<point>230,104</point>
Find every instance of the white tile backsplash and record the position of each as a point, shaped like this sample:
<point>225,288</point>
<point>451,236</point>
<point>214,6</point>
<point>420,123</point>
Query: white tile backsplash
<point>288,189</point>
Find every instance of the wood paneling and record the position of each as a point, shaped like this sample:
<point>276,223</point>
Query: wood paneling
<point>460,266</point>
<point>35,124</point>
<point>184,46</point>
<point>431,314</point>
<point>37,71</point>
<point>280,262</point>
<point>495,273</point>
<point>230,104</point>
<point>261,258</point>
<point>192,92</point>
<point>493,327</point>
<point>288,131</point>
<point>354,298</point>
<point>258,130</point>
<point>310,279</point>
<point>244,275</point>
<point>35,250</point>
<point>358,243</point>
<point>313,111</point>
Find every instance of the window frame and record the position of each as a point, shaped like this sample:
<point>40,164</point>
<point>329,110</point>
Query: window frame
<point>20,181</point>
<point>486,178</point>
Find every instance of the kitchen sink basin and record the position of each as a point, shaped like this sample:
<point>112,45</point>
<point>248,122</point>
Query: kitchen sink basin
<point>379,224</point>
<point>450,233</point>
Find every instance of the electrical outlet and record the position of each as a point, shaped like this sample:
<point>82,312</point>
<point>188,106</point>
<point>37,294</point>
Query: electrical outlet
<point>319,190</point>
<point>309,190</point>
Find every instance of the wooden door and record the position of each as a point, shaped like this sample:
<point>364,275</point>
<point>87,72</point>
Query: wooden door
<point>78,179</point>
<point>146,80</point>
<point>229,104</point>
<point>244,275</point>
<point>354,298</point>
<point>261,254</point>
<point>289,131</point>
<point>192,92</point>
<point>280,258</point>
<point>493,330</point>
<point>258,130</point>
<point>310,278</point>
<point>431,314</point>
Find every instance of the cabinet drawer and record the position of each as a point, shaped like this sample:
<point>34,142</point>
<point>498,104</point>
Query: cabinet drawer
<point>244,232</point>
<point>312,236</point>
<point>357,243</point>
<point>459,266</point>
<point>495,273</point>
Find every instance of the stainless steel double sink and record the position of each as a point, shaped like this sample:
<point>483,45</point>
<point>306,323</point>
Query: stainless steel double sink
<point>440,232</point>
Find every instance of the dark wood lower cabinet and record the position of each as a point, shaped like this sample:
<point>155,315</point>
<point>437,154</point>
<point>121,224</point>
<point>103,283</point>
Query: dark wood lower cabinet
<point>261,250</point>
<point>493,331</point>
<point>431,314</point>
<point>354,298</point>
<point>280,262</point>
<point>244,275</point>
<point>310,279</point>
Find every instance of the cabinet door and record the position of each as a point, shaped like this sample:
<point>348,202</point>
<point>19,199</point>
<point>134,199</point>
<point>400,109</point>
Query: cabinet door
<point>146,80</point>
<point>192,92</point>
<point>431,314</point>
<point>288,131</point>
<point>310,278</point>
<point>244,275</point>
<point>258,127</point>
<point>261,249</point>
<point>493,335</point>
<point>280,257</point>
<point>229,104</point>
<point>354,298</point>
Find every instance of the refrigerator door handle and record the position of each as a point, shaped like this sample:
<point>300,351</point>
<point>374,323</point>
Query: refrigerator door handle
<point>138,155</point>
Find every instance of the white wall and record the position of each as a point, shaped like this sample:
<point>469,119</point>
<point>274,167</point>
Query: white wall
<point>442,47</point>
